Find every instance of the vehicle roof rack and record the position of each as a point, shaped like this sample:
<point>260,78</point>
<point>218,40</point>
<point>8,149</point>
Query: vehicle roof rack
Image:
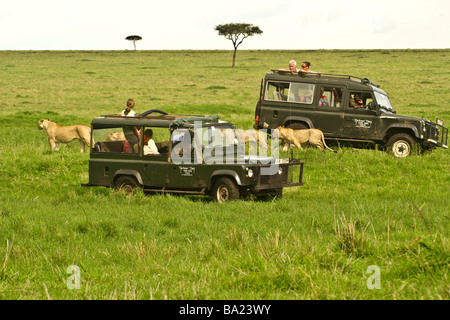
<point>178,122</point>
<point>144,116</point>
<point>177,119</point>
<point>320,74</point>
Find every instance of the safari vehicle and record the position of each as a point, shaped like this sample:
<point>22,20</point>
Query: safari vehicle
<point>198,155</point>
<point>329,102</point>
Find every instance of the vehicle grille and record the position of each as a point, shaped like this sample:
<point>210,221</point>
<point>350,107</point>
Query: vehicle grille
<point>289,175</point>
<point>437,133</point>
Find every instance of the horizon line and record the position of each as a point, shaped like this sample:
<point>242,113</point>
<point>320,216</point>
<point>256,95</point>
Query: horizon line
<point>143,50</point>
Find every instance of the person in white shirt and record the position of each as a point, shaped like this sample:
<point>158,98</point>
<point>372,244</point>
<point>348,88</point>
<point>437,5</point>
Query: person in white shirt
<point>293,66</point>
<point>149,143</point>
<point>128,111</point>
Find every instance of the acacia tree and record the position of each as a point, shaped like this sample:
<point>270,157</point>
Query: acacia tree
<point>237,32</point>
<point>134,39</point>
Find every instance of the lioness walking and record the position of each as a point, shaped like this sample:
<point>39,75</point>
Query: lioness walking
<point>57,134</point>
<point>298,137</point>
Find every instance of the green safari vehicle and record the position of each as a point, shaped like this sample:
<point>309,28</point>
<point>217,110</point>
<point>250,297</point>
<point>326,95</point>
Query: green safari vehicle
<point>348,110</point>
<point>197,155</point>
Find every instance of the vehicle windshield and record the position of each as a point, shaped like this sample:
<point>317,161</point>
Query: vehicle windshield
<point>219,142</point>
<point>383,101</point>
<point>220,137</point>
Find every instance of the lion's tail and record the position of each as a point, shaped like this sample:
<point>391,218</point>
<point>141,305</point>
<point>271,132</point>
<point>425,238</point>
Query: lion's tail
<point>325,145</point>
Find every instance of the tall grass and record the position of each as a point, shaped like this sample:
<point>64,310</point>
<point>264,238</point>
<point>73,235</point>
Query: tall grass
<point>357,208</point>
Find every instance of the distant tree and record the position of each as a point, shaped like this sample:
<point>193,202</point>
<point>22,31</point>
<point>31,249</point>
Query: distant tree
<point>134,39</point>
<point>237,32</point>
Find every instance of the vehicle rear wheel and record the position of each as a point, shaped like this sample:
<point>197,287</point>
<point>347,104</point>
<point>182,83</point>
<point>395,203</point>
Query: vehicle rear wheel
<point>126,184</point>
<point>225,190</point>
<point>297,126</point>
<point>401,145</point>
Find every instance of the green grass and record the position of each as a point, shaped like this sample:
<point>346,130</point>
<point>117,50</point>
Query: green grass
<point>357,208</point>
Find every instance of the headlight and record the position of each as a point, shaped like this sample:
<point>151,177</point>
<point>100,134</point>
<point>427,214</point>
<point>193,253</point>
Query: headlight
<point>249,173</point>
<point>280,170</point>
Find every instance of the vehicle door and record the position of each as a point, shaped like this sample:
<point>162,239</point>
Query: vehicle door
<point>329,110</point>
<point>287,101</point>
<point>185,163</point>
<point>275,103</point>
<point>301,101</point>
<point>359,121</point>
<point>110,155</point>
<point>155,166</point>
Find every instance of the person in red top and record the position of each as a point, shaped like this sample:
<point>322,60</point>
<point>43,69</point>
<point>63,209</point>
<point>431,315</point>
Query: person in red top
<point>323,100</point>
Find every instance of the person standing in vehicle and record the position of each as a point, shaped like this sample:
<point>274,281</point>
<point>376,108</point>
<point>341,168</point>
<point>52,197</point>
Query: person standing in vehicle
<point>128,111</point>
<point>292,66</point>
<point>305,67</point>
<point>132,133</point>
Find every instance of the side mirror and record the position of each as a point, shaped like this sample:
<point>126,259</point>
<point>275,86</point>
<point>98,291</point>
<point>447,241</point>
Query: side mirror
<point>372,106</point>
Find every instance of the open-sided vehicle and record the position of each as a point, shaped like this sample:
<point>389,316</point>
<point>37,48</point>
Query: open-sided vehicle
<point>196,155</point>
<point>349,110</point>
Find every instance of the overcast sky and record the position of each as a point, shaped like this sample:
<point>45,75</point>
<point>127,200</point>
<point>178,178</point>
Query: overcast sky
<point>189,24</point>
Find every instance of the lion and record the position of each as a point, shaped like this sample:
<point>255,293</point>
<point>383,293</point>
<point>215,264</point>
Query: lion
<point>298,137</point>
<point>64,134</point>
<point>252,136</point>
<point>115,136</point>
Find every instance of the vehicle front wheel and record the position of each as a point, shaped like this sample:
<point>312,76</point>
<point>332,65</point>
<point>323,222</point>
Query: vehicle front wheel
<point>126,184</point>
<point>225,190</point>
<point>401,145</point>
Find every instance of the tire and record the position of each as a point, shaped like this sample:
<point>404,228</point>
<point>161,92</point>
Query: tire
<point>401,145</point>
<point>127,184</point>
<point>225,190</point>
<point>297,126</point>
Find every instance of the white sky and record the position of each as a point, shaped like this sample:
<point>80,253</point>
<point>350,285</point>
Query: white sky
<point>189,24</point>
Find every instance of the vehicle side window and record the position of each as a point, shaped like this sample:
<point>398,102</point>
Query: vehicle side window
<point>277,91</point>
<point>290,92</point>
<point>155,141</point>
<point>330,97</point>
<point>181,136</point>
<point>301,92</point>
<point>110,140</point>
<point>359,100</point>
<point>117,140</point>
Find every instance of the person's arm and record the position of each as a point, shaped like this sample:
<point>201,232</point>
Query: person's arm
<point>136,132</point>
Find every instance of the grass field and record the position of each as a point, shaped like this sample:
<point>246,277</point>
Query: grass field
<point>357,209</point>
